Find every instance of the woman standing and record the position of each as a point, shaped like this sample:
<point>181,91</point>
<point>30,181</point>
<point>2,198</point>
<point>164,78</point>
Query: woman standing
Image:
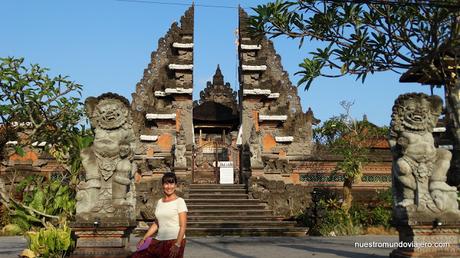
<point>171,222</point>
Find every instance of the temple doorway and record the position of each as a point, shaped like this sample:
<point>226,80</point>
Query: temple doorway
<point>216,156</point>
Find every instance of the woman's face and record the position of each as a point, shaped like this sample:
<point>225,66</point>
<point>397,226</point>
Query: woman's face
<point>169,188</point>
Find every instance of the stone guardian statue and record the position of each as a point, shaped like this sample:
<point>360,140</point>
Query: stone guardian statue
<point>419,168</point>
<point>108,188</point>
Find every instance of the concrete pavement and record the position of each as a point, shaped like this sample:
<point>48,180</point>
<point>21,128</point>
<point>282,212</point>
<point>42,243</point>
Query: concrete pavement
<point>255,247</point>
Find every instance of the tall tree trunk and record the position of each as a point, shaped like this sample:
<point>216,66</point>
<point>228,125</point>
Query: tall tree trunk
<point>347,196</point>
<point>453,114</point>
<point>453,103</point>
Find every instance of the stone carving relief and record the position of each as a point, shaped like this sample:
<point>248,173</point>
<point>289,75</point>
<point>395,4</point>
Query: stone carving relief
<point>279,166</point>
<point>108,183</point>
<point>219,92</point>
<point>180,149</point>
<point>256,149</point>
<point>419,169</point>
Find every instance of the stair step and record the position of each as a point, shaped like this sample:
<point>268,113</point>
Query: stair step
<point>217,191</point>
<point>227,210</point>
<point>239,218</point>
<point>218,186</point>
<point>233,212</point>
<point>218,196</point>
<point>271,231</point>
<point>192,207</point>
<point>222,201</point>
<point>240,224</point>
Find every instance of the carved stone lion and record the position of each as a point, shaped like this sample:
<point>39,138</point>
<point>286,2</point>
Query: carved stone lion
<point>419,169</point>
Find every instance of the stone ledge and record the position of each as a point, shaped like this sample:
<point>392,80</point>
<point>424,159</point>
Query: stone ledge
<point>257,92</point>
<point>183,45</point>
<point>178,91</point>
<point>148,138</point>
<point>161,116</point>
<point>160,93</point>
<point>284,138</point>
<point>254,67</point>
<point>273,117</point>
<point>250,47</point>
<point>180,66</point>
<point>274,95</point>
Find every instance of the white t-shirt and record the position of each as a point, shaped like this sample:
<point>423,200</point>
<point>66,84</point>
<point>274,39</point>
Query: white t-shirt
<point>167,214</point>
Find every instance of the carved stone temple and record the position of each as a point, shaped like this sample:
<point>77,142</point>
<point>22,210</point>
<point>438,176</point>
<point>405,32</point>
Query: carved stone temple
<point>249,145</point>
<point>259,130</point>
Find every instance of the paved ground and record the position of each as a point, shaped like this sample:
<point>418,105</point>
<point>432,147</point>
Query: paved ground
<point>254,247</point>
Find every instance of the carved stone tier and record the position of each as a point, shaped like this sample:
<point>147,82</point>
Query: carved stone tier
<point>284,139</point>
<point>148,138</point>
<point>162,102</point>
<point>254,67</point>
<point>183,45</point>
<point>250,47</point>
<point>180,66</point>
<point>161,116</point>
<point>270,105</point>
<point>272,118</point>
<point>102,239</point>
<point>256,92</point>
<point>169,91</point>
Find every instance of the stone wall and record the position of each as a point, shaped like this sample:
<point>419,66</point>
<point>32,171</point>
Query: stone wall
<point>149,191</point>
<point>288,194</point>
<point>285,199</point>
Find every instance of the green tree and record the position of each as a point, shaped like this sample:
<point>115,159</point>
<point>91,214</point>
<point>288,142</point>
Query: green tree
<point>418,38</point>
<point>352,141</point>
<point>37,107</point>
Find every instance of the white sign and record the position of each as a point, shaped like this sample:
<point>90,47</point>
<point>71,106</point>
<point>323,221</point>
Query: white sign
<point>226,172</point>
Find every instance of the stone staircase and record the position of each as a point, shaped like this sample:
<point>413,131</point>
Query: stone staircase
<point>216,210</point>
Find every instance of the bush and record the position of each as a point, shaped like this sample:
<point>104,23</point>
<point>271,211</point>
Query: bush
<point>333,220</point>
<point>11,230</point>
<point>50,241</point>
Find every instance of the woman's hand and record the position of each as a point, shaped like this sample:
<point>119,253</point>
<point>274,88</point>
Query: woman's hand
<point>140,243</point>
<point>174,251</point>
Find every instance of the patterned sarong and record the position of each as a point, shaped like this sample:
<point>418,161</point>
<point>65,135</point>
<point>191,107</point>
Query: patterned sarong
<point>160,249</point>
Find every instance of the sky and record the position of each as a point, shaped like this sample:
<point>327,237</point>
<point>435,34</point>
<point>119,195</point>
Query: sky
<point>105,45</point>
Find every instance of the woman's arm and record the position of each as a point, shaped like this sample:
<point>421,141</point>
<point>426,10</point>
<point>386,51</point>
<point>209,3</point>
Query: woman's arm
<point>180,236</point>
<point>183,226</point>
<point>153,228</point>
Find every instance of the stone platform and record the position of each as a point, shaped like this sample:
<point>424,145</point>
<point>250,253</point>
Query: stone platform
<point>102,239</point>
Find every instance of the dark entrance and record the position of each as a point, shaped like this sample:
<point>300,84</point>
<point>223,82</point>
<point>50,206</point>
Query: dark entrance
<point>216,122</point>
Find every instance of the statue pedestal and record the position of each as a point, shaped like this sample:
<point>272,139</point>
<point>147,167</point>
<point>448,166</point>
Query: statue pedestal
<point>429,236</point>
<point>102,239</point>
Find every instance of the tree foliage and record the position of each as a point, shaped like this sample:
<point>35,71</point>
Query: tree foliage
<point>41,107</point>
<point>351,140</point>
<point>362,37</point>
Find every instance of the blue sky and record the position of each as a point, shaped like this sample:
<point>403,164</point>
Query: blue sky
<point>105,45</point>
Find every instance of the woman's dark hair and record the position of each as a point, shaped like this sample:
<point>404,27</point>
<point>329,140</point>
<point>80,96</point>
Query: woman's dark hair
<point>169,177</point>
